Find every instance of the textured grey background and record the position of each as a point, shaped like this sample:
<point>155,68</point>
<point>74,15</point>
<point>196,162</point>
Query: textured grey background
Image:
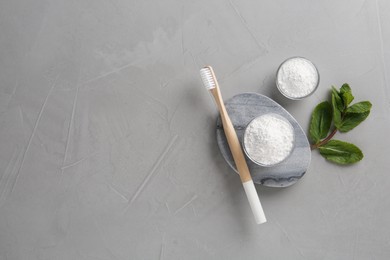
<point>107,137</point>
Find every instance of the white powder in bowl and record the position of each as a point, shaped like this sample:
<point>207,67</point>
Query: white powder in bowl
<point>268,139</point>
<point>297,78</point>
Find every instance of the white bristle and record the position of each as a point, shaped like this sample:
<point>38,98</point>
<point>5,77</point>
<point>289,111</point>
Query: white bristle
<point>207,78</point>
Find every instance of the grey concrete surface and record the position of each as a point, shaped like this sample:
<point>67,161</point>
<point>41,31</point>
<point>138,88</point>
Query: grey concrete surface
<point>107,137</point>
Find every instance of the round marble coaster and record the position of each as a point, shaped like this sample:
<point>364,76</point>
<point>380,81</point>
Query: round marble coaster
<point>242,108</point>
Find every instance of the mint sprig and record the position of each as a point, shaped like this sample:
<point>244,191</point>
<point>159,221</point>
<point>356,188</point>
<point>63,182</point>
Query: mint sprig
<point>344,117</point>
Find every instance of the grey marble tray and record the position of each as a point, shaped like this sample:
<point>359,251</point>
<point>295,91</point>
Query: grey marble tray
<point>242,108</point>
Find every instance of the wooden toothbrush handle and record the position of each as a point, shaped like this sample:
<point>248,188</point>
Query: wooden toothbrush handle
<point>231,136</point>
<point>239,158</point>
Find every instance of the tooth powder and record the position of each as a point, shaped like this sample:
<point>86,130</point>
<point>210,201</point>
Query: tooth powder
<point>297,78</point>
<point>268,139</point>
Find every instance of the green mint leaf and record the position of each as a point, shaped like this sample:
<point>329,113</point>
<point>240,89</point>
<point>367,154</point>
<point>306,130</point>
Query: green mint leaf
<point>347,98</point>
<point>352,120</point>
<point>361,107</point>
<point>335,90</point>
<point>341,152</point>
<point>321,120</point>
<point>345,88</point>
<point>346,94</point>
<point>339,101</point>
<point>337,107</point>
<point>354,115</point>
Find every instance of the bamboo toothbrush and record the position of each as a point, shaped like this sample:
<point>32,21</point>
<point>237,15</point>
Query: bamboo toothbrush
<point>210,82</point>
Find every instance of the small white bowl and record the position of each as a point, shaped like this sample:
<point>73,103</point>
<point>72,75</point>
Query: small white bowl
<point>294,78</point>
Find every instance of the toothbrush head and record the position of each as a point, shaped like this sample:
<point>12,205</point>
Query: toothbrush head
<point>208,77</point>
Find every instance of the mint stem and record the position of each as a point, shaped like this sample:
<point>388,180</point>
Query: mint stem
<point>327,139</point>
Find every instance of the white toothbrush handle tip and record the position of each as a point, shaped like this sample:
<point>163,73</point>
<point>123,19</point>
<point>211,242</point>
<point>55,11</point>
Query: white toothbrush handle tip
<point>254,202</point>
